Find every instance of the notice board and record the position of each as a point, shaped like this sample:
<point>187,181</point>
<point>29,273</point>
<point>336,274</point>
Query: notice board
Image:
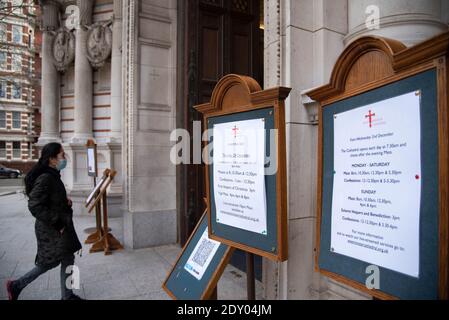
<point>246,166</point>
<point>199,266</point>
<point>382,188</point>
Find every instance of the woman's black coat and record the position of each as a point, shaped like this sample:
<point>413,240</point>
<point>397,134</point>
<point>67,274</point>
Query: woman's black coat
<point>49,205</point>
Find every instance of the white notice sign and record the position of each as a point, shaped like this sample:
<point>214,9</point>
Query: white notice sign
<point>239,175</point>
<point>201,256</point>
<point>377,184</point>
<point>95,190</point>
<point>91,168</point>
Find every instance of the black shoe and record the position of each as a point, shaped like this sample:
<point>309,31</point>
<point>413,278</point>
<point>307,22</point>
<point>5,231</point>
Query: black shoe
<point>73,297</point>
<point>13,292</point>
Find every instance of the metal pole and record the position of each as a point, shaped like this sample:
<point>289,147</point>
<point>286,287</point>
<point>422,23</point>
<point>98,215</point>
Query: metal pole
<point>250,277</point>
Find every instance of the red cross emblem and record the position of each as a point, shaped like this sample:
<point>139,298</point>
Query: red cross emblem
<point>235,131</point>
<point>370,116</point>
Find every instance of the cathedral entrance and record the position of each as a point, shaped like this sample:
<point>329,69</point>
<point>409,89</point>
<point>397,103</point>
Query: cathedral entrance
<point>216,38</point>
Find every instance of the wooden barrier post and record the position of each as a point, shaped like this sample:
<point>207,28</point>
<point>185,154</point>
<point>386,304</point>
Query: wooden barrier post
<point>107,242</point>
<point>250,277</point>
<point>96,236</point>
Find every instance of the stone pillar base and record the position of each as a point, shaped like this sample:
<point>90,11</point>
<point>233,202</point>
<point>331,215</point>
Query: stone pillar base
<point>149,229</point>
<point>115,140</point>
<point>81,139</point>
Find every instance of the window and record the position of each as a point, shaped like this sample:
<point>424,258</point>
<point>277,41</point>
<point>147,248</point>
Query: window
<point>16,149</point>
<point>2,29</point>
<point>16,91</point>
<point>3,57</point>
<point>30,150</point>
<point>16,121</point>
<point>2,150</point>
<point>2,119</point>
<point>17,34</point>
<point>30,123</point>
<point>2,89</point>
<point>16,62</point>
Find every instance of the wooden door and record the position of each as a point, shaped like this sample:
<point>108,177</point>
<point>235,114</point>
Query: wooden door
<point>218,37</point>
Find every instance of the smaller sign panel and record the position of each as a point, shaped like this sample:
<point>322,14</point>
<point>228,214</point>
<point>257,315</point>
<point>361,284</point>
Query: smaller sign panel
<point>243,178</point>
<point>95,190</point>
<point>201,256</point>
<point>246,183</point>
<point>199,266</point>
<point>107,178</point>
<point>92,161</point>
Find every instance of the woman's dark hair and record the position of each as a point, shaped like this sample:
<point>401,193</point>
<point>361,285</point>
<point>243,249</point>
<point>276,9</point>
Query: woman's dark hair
<point>50,150</point>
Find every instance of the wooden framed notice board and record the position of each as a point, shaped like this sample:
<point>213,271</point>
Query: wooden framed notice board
<point>199,266</point>
<point>246,172</point>
<point>383,201</point>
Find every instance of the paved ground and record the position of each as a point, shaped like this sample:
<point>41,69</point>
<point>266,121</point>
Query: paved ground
<point>9,186</point>
<point>126,274</point>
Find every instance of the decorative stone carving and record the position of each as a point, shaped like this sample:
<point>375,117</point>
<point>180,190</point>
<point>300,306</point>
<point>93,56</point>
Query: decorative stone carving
<point>63,49</point>
<point>99,43</point>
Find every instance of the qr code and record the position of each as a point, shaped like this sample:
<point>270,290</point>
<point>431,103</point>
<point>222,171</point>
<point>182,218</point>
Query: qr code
<point>203,252</point>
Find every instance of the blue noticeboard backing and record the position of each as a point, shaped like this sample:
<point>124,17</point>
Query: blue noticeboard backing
<point>267,243</point>
<point>391,282</point>
<point>180,282</point>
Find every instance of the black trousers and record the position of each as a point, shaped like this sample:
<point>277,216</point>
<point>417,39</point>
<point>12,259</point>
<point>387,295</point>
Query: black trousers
<point>66,290</point>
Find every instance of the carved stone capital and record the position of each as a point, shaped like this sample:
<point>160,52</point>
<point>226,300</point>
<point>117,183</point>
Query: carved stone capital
<point>85,12</point>
<point>50,15</point>
<point>98,44</point>
<point>63,49</point>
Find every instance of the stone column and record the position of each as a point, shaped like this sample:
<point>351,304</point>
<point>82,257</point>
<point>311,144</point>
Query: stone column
<point>50,76</point>
<point>272,271</point>
<point>116,74</point>
<point>83,77</point>
<point>303,40</point>
<point>409,21</point>
<point>149,209</point>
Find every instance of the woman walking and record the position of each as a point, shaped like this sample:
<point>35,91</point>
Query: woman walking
<point>57,240</point>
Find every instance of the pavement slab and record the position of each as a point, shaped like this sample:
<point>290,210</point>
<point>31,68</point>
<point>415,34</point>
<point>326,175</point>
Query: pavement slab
<point>125,274</point>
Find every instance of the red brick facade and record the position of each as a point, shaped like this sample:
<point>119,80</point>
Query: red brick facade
<point>20,94</point>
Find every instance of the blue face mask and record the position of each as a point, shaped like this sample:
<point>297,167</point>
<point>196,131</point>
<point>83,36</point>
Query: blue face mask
<point>61,164</point>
